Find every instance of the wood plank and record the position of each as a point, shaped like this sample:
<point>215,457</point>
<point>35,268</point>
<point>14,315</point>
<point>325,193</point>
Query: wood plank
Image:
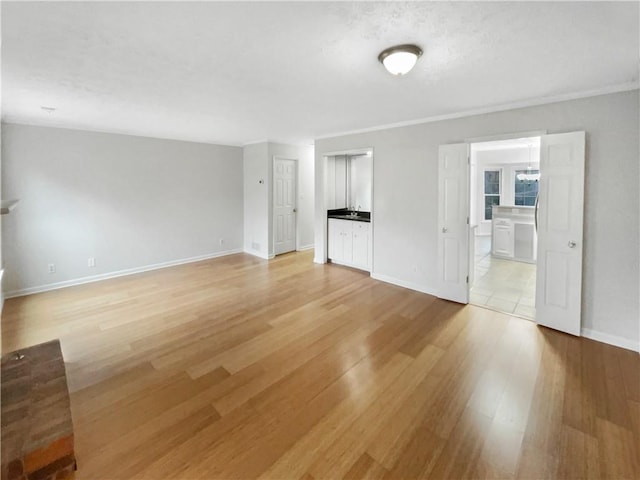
<point>419,455</point>
<point>618,457</point>
<point>364,391</point>
<point>366,468</point>
<point>239,367</point>
<point>545,418</point>
<point>572,463</point>
<point>629,370</point>
<point>353,441</point>
<point>461,452</point>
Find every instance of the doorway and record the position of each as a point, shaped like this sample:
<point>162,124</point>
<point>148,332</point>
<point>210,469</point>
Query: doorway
<point>347,195</point>
<point>284,205</point>
<point>558,223</point>
<point>504,178</point>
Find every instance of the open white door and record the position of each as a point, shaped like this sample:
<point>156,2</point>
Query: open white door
<point>559,220</point>
<point>284,205</point>
<point>453,222</point>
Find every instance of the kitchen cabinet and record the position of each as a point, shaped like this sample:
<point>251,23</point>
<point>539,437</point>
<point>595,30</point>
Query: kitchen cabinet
<point>349,243</point>
<point>502,241</point>
<point>514,233</point>
<point>524,242</point>
<point>361,244</point>
<point>341,241</point>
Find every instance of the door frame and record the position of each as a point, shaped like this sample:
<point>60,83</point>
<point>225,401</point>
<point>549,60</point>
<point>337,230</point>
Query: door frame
<point>323,203</point>
<point>492,138</point>
<point>273,201</point>
<point>470,141</point>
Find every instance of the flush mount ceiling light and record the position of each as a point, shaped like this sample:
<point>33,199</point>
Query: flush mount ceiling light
<point>400,59</point>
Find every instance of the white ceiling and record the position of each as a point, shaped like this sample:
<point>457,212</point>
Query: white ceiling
<point>234,73</point>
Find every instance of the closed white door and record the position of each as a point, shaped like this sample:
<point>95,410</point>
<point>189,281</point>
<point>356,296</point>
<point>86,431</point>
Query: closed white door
<point>453,218</point>
<point>560,228</point>
<point>284,205</point>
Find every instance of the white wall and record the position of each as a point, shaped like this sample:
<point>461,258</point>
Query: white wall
<point>406,199</point>
<point>129,202</point>
<point>258,197</point>
<point>306,197</point>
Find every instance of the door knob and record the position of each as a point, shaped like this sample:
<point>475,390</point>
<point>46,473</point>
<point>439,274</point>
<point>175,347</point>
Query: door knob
<point>444,230</point>
<point>295,210</point>
<point>571,244</point>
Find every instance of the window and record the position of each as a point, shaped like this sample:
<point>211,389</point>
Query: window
<point>526,187</point>
<point>491,191</point>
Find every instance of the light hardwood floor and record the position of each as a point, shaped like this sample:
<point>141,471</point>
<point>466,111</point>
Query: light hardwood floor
<point>242,368</point>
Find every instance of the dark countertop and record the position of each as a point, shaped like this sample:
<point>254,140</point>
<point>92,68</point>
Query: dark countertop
<point>346,214</point>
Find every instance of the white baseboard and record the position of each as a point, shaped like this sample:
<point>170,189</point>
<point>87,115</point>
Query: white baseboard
<point>119,273</point>
<point>305,247</point>
<point>615,340</point>
<point>256,253</point>
<point>403,283</point>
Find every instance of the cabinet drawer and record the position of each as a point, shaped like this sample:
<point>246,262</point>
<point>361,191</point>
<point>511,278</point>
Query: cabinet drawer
<point>502,222</point>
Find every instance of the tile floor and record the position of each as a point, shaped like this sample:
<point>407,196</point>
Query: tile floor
<point>503,285</point>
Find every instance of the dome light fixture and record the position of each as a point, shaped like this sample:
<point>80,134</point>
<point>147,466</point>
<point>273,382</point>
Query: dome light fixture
<point>399,60</point>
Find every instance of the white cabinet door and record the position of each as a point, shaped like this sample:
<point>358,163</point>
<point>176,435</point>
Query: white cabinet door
<point>340,240</point>
<point>335,240</point>
<point>346,228</point>
<point>524,242</point>
<point>361,245</point>
<point>502,241</point>
<point>453,222</point>
<point>560,216</point>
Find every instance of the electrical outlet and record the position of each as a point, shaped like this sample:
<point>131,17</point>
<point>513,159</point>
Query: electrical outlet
<point>91,262</point>
<point>222,241</point>
<point>52,268</point>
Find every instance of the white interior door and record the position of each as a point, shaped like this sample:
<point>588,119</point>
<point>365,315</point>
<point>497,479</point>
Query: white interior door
<point>453,222</point>
<point>284,205</point>
<point>560,217</point>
